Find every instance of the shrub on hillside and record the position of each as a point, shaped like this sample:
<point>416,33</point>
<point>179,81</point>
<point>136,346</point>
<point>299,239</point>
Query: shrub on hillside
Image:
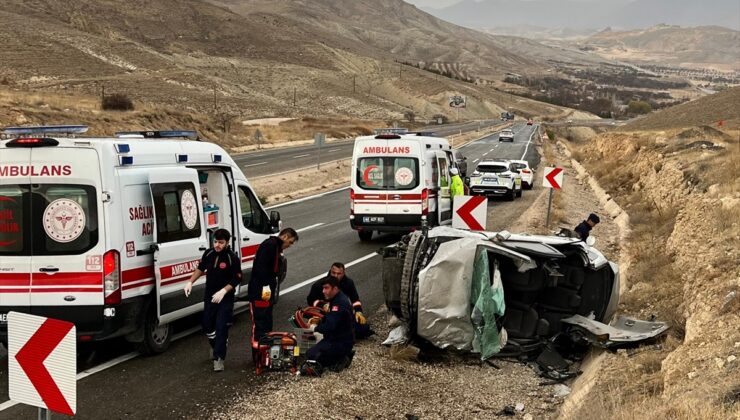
<point>117,102</point>
<point>639,107</point>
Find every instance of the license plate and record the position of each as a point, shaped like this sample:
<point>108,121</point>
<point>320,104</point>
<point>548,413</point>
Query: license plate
<point>373,219</point>
<point>493,181</point>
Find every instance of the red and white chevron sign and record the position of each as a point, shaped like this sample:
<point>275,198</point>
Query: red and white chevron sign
<point>42,362</point>
<point>553,178</point>
<point>469,212</point>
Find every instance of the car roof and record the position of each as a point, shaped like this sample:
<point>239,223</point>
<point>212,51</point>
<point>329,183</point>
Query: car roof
<point>494,162</point>
<point>519,161</point>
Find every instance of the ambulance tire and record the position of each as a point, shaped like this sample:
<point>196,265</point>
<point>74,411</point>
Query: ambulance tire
<point>156,338</point>
<point>365,235</point>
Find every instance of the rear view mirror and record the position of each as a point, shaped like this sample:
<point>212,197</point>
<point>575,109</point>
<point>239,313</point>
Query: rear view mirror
<point>275,220</point>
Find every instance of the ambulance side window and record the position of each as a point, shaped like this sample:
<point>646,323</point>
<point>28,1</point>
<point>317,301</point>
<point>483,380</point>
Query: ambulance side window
<point>444,173</point>
<point>252,215</point>
<point>170,200</point>
<point>435,172</point>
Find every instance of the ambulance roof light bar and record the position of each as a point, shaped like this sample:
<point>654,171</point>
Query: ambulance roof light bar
<point>68,130</point>
<point>165,134</point>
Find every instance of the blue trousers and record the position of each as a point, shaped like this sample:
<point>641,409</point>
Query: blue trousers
<point>329,353</point>
<point>216,322</point>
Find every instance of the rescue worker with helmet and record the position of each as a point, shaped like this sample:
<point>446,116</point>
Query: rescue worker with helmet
<point>263,283</point>
<point>456,186</point>
<point>335,349</point>
<point>347,286</point>
<point>223,274</point>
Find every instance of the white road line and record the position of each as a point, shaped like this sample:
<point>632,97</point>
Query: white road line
<point>310,197</point>
<point>530,140</point>
<point>303,229</point>
<point>332,150</point>
<point>300,156</point>
<point>313,279</point>
<point>255,164</point>
<point>491,149</point>
<point>485,153</point>
<point>476,160</point>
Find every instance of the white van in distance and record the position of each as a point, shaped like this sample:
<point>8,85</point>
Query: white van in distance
<point>103,232</point>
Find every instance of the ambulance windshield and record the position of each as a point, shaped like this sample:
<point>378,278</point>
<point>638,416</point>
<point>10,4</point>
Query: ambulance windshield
<point>388,173</point>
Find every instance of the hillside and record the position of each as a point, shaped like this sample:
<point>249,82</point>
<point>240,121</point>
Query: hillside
<point>707,111</point>
<point>706,46</point>
<point>253,58</point>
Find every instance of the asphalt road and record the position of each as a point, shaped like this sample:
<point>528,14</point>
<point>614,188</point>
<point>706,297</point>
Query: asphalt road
<point>180,383</point>
<point>266,162</point>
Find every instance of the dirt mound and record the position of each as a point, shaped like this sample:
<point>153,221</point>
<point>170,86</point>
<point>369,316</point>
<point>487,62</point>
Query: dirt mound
<point>713,110</point>
<point>684,208</point>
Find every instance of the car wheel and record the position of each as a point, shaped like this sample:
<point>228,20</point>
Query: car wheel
<point>511,195</point>
<point>365,235</point>
<point>156,337</point>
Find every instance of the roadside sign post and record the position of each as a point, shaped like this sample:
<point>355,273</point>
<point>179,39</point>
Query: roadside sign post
<point>469,212</point>
<point>552,178</point>
<point>258,138</point>
<point>318,139</point>
<point>42,363</point>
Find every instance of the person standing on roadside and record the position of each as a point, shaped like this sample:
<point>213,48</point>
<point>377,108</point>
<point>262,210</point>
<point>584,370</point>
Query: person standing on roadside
<point>456,186</point>
<point>223,274</point>
<point>263,283</point>
<point>584,228</point>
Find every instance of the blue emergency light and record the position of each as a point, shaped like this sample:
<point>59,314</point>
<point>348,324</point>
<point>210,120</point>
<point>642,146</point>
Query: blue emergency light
<point>123,148</point>
<point>45,129</point>
<point>126,160</point>
<point>182,158</point>
<point>150,134</point>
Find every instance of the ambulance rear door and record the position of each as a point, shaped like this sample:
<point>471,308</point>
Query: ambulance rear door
<point>15,234</point>
<point>179,240</point>
<point>444,201</point>
<point>66,216</point>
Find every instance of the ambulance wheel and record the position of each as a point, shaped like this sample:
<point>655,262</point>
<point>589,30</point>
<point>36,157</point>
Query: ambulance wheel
<point>156,337</point>
<point>365,235</point>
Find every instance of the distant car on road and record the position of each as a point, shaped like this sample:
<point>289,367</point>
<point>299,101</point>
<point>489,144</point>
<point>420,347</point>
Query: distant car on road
<point>461,162</point>
<point>526,172</point>
<point>530,122</point>
<point>506,135</point>
<point>496,177</point>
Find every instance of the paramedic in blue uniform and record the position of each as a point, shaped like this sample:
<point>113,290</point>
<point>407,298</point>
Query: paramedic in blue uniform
<point>347,286</point>
<point>223,271</point>
<point>584,228</point>
<point>263,283</point>
<point>335,326</point>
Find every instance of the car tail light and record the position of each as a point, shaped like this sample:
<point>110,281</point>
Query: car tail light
<point>351,201</point>
<point>112,277</point>
<point>424,202</point>
<point>525,171</point>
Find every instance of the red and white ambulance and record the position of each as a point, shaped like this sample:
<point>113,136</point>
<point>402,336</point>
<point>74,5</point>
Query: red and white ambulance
<point>398,181</point>
<point>104,232</point>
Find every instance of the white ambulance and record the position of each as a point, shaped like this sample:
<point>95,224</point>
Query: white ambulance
<point>104,232</point>
<point>398,181</point>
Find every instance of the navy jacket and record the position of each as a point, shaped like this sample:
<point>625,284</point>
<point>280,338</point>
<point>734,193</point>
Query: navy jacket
<point>583,230</point>
<point>346,285</point>
<point>336,326</point>
<point>221,268</point>
<point>265,268</point>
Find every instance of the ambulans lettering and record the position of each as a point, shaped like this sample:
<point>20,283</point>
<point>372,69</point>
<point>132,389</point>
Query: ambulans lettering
<point>146,213</point>
<point>184,268</point>
<point>386,149</point>
<point>30,170</point>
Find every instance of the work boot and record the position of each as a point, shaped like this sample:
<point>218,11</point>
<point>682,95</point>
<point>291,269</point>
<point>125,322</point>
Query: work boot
<point>218,365</point>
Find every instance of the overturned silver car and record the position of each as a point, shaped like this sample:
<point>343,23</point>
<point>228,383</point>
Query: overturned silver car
<point>501,293</point>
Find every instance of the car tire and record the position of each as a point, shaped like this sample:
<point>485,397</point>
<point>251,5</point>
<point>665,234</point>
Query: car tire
<point>157,337</point>
<point>365,235</point>
<point>511,195</point>
<point>519,193</point>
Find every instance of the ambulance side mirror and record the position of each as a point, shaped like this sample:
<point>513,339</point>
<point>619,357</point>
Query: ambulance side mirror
<point>275,220</point>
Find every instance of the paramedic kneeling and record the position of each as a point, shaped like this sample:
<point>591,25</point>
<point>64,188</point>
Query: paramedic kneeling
<point>336,327</point>
<point>223,274</point>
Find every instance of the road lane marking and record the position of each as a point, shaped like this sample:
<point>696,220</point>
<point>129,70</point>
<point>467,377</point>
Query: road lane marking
<point>530,140</point>
<point>333,150</point>
<point>255,164</point>
<point>322,275</point>
<point>476,160</point>
<point>300,156</point>
<point>303,229</point>
<point>310,197</point>
<point>491,149</point>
